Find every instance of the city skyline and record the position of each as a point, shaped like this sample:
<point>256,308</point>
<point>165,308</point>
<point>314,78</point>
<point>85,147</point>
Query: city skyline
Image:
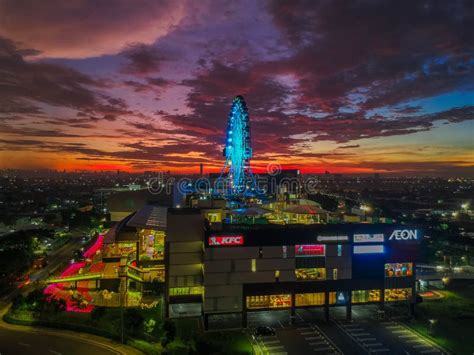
<point>373,87</point>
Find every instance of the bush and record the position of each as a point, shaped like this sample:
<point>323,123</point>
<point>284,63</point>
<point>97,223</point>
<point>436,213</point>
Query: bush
<point>169,332</point>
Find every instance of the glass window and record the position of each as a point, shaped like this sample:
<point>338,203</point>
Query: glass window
<point>339,250</point>
<point>311,274</point>
<point>398,269</point>
<point>337,298</point>
<point>182,291</point>
<point>334,274</point>
<point>363,296</point>
<point>254,265</point>
<point>309,299</point>
<point>397,294</point>
<point>268,301</point>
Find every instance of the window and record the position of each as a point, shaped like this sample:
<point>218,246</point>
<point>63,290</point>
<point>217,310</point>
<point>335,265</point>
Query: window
<point>309,299</point>
<point>254,265</point>
<point>364,296</point>
<point>339,250</point>
<point>310,274</point>
<point>334,274</point>
<point>398,269</point>
<point>397,294</point>
<point>183,291</point>
<point>268,301</point>
<point>284,251</point>
<point>277,275</point>
<point>337,298</point>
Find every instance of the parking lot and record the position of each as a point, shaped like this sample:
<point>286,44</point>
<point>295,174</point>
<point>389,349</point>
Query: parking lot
<point>365,334</point>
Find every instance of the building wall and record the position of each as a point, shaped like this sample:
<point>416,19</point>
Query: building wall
<point>185,235</point>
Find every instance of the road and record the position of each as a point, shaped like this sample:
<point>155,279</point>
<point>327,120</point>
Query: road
<point>364,335</point>
<point>37,341</point>
<point>18,342</point>
<point>55,259</point>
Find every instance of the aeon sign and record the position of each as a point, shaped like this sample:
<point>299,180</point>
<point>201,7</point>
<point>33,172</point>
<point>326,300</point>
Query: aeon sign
<point>226,240</point>
<point>404,234</point>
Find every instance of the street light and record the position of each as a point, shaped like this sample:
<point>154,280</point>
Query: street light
<point>432,323</point>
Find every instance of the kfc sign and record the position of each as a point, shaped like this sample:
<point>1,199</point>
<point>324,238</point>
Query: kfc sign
<point>404,234</point>
<point>226,240</point>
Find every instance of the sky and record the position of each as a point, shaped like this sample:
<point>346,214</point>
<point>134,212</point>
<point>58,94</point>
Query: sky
<point>340,86</point>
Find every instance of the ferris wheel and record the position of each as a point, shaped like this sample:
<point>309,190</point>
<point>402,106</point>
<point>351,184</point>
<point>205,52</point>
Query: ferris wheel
<point>238,150</point>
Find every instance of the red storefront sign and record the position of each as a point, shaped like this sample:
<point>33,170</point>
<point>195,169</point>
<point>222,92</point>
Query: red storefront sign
<point>310,250</point>
<point>226,240</point>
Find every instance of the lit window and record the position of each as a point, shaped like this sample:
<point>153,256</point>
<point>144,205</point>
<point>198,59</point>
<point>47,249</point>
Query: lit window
<point>254,265</point>
<point>268,301</point>
<point>337,297</point>
<point>309,299</point>
<point>183,291</point>
<point>397,294</point>
<point>364,296</point>
<point>277,275</point>
<point>334,274</point>
<point>310,274</point>
<point>398,269</point>
<point>339,250</point>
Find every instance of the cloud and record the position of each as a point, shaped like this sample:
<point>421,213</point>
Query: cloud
<point>89,28</point>
<point>141,59</point>
<point>26,86</point>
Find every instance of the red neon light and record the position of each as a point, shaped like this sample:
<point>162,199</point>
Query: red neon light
<point>311,250</point>
<point>226,240</point>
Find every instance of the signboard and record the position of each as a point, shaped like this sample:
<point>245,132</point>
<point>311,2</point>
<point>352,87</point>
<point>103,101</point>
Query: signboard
<point>368,238</point>
<point>369,249</point>
<point>404,234</point>
<point>310,250</point>
<point>226,240</point>
<point>332,238</point>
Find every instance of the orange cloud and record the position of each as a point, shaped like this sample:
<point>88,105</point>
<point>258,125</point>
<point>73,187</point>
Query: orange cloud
<point>82,29</point>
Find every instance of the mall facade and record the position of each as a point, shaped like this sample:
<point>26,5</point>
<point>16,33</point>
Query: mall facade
<point>214,269</point>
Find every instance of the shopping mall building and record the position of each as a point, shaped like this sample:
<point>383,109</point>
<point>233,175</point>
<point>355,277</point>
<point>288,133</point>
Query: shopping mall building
<point>232,268</point>
<point>201,265</point>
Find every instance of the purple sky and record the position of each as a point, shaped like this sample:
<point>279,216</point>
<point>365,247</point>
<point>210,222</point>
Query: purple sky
<point>344,86</point>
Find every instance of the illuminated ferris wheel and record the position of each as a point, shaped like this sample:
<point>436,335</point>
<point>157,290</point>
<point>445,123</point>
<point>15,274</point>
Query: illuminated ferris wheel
<point>238,150</point>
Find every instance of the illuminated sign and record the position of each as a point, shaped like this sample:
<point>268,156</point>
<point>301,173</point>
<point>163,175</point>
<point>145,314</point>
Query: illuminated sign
<point>226,240</point>
<point>310,250</point>
<point>332,238</point>
<point>369,249</point>
<point>404,234</point>
<point>368,238</point>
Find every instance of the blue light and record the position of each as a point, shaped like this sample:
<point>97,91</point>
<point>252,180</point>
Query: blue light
<point>238,151</point>
<point>369,249</point>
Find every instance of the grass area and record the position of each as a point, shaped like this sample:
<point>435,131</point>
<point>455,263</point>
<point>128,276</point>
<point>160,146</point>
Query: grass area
<point>228,342</point>
<point>144,329</point>
<point>453,316</point>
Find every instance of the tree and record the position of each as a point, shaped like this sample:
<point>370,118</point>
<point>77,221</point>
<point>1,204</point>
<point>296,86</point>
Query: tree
<point>133,320</point>
<point>169,332</point>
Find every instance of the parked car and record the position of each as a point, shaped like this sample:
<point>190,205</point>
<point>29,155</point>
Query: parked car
<point>264,331</point>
